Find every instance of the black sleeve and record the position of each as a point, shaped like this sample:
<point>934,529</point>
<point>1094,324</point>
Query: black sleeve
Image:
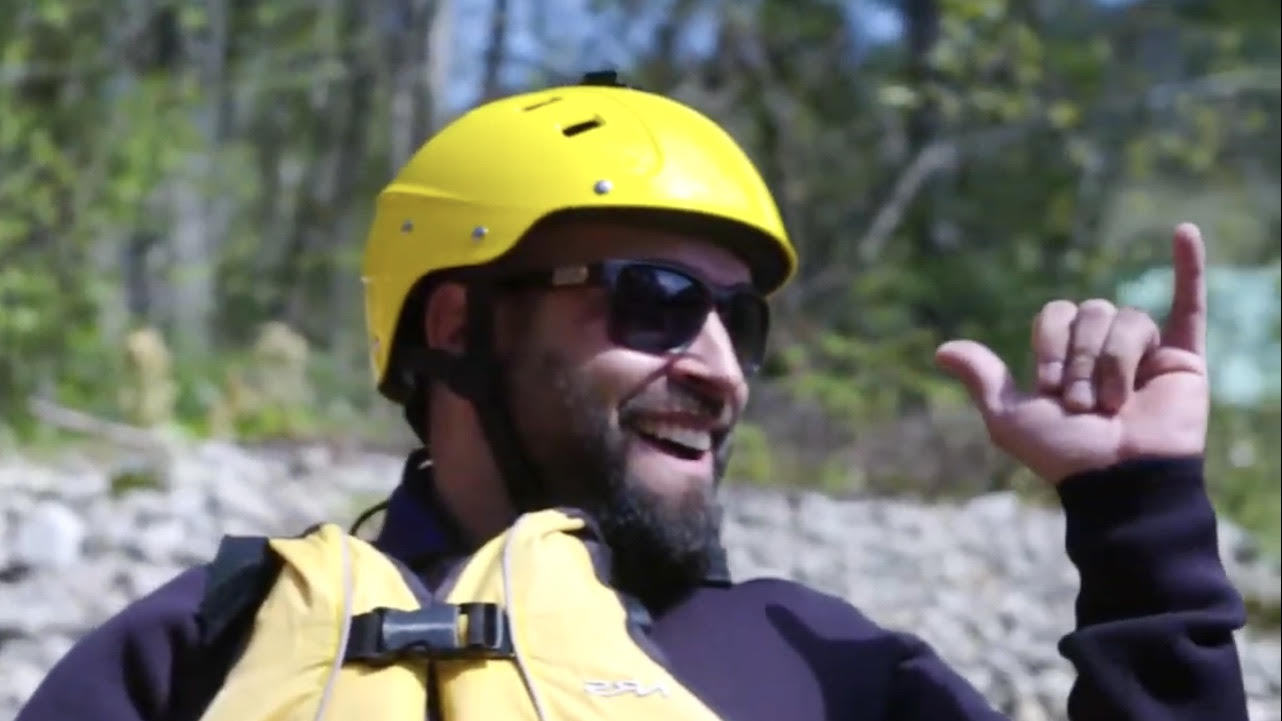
<point>166,655</point>
<point>125,669</point>
<point>1155,614</point>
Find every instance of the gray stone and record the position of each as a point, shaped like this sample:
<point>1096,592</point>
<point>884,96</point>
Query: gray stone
<point>1264,709</point>
<point>21,679</point>
<point>41,603</point>
<point>50,536</point>
<point>160,541</point>
<point>84,485</point>
<point>986,583</point>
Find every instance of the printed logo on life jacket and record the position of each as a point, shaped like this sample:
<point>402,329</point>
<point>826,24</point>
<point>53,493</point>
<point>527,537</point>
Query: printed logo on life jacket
<point>619,688</point>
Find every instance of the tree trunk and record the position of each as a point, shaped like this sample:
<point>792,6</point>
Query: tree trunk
<point>921,21</point>
<point>495,50</point>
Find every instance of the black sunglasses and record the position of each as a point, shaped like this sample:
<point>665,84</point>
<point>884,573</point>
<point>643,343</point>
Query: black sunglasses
<point>658,308</point>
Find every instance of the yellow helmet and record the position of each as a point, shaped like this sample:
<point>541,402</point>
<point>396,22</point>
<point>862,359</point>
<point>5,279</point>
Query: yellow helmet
<point>472,191</point>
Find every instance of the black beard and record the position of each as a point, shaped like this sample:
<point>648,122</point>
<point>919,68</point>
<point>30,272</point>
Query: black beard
<point>659,552</point>
<point>661,547</point>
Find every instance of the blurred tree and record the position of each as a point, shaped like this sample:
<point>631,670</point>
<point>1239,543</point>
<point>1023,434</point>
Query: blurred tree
<point>205,169</point>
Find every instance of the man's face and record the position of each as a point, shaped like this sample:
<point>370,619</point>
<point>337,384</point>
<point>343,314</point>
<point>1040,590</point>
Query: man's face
<point>638,439</point>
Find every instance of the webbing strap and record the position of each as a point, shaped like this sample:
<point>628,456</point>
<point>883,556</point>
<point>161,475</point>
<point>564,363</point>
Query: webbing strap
<point>238,578</point>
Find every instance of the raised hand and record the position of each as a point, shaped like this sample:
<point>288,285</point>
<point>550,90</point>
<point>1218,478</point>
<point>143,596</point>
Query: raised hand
<point>1110,385</point>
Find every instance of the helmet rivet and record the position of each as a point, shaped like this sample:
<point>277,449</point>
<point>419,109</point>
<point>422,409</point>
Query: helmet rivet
<point>602,187</point>
<point>480,232</point>
<point>407,226</point>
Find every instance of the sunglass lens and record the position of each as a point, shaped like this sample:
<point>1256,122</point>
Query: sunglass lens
<point>656,309</point>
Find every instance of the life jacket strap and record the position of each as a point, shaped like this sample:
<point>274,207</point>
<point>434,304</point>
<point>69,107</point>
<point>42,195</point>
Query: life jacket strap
<point>388,635</point>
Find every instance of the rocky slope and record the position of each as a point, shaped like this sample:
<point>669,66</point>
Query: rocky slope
<point>985,582</point>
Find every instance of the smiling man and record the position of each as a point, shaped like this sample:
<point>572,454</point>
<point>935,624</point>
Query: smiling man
<point>566,292</point>
<point>621,387</point>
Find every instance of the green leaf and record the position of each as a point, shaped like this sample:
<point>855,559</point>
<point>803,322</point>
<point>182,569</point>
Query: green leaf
<point>898,96</point>
<point>1063,114</point>
<point>54,12</point>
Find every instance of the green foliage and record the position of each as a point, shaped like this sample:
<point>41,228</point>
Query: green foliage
<point>207,170</point>
<point>857,380</point>
<point>1263,615</point>
<point>132,480</point>
<point>265,393</point>
<point>752,461</point>
<point>147,393</point>
<point>1244,463</point>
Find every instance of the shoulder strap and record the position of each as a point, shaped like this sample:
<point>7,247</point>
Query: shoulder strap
<point>241,575</point>
<point>239,578</point>
<point>237,581</point>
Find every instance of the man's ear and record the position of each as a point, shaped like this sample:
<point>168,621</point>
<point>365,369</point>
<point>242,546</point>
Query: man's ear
<point>445,318</point>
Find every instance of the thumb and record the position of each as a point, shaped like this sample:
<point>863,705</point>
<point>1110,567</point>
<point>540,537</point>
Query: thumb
<point>985,376</point>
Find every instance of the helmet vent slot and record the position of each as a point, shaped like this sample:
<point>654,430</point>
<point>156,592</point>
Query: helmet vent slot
<point>541,103</point>
<point>582,127</point>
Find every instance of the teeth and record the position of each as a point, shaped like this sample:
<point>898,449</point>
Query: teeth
<point>695,440</point>
<point>686,404</point>
<point>693,406</point>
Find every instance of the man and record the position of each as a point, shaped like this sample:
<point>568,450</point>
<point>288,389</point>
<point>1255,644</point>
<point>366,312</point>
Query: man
<point>565,290</point>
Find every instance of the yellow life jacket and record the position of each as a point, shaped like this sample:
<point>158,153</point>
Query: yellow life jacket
<point>528,631</point>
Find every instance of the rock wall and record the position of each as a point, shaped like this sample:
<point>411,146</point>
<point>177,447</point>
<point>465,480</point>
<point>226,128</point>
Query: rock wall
<point>986,582</point>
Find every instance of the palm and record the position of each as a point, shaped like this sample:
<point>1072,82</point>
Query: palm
<point>1163,413</point>
<point>1165,417</point>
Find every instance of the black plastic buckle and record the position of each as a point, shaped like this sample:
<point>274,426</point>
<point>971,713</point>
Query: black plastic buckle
<point>487,630</point>
<point>388,635</point>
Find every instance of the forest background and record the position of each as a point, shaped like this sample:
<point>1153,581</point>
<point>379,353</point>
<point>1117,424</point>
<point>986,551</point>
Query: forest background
<point>185,188</point>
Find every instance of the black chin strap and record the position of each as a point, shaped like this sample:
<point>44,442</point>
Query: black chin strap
<point>477,376</point>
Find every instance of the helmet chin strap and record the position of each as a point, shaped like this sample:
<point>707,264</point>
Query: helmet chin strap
<point>477,376</point>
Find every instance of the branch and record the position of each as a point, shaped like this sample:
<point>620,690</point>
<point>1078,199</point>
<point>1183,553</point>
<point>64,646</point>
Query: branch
<point>929,160</point>
<point>1219,86</point>
<point>72,420</point>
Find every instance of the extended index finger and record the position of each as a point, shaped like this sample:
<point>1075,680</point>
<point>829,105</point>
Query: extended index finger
<point>1186,324</point>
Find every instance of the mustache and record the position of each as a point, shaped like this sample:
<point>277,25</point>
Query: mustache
<point>717,411</point>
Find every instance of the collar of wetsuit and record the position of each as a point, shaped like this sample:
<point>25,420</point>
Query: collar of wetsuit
<point>417,526</point>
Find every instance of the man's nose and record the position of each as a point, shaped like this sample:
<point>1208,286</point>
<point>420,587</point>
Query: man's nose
<point>711,365</point>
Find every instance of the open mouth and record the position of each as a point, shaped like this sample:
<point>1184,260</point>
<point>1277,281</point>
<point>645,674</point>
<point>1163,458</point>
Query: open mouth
<point>682,441</point>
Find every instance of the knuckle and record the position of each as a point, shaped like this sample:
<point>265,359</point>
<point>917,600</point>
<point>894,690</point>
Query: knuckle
<point>1097,307</point>
<point>1134,317</point>
<point>1058,309</point>
<point>1080,365</point>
